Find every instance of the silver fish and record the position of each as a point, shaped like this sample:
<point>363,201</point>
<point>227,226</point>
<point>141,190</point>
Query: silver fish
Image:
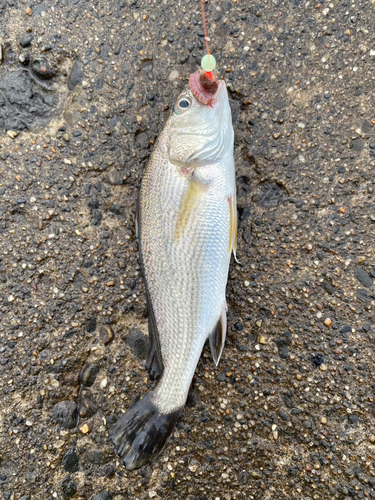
<point>187,231</point>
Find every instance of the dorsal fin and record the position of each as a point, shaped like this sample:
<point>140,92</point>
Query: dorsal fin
<point>217,337</point>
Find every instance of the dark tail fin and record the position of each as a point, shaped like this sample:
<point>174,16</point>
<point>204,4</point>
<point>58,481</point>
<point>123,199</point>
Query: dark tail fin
<point>140,435</point>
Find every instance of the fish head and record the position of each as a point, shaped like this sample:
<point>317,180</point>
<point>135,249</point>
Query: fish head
<point>200,133</point>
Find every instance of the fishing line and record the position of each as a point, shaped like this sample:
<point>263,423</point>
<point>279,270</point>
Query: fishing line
<point>208,62</point>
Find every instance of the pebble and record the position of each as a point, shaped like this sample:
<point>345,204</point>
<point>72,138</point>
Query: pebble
<point>91,325</point>
<point>99,456</point>
<point>70,461</point>
<point>363,277</point>
<point>87,408</point>
<point>109,470</point>
<point>173,75</point>
<point>106,335</point>
<point>328,322</point>
<point>323,367</point>
<point>263,340</point>
<point>68,487</point>
<point>12,134</point>
<point>65,414</point>
<point>353,419</point>
<point>318,359</point>
<point>43,69</point>
<point>26,40</point>
<point>138,343</point>
<point>11,298</point>
<point>76,76</point>
<point>84,429</point>
<point>103,495</point>
<point>88,375</point>
<point>103,383</point>
<point>115,178</point>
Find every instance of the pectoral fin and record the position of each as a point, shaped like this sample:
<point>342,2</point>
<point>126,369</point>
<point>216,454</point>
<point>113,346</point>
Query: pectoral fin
<point>233,225</point>
<point>194,190</point>
<point>217,337</point>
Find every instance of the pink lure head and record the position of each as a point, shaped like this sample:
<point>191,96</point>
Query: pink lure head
<point>204,86</point>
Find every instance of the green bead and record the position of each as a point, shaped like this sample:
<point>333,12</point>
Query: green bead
<point>208,62</point>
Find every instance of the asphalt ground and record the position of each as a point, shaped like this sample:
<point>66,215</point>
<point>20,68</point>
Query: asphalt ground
<point>85,88</point>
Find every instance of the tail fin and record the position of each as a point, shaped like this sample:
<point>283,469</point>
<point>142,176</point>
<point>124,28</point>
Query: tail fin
<point>142,432</point>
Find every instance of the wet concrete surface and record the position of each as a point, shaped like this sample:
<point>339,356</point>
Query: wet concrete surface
<point>85,89</point>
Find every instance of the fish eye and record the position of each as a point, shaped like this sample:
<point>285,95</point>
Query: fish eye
<point>182,105</point>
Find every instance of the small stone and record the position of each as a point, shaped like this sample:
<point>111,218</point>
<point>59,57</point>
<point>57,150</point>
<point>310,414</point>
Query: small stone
<point>28,11</point>
<point>26,40</point>
<point>109,470</point>
<point>372,438</point>
<point>138,343</point>
<point>87,408</point>
<point>363,277</point>
<point>76,75</point>
<point>194,466</point>
<point>309,247</point>
<point>103,495</point>
<point>12,134</point>
<point>84,429</point>
<point>353,419</point>
<point>43,69</point>
<point>115,178</point>
<point>328,322</point>
<point>323,367</point>
<point>346,329</point>
<point>323,420</point>
<point>11,298</point>
<point>88,375</point>
<point>99,456</point>
<point>24,58</point>
<point>220,377</point>
<point>173,75</point>
<point>277,135</point>
<point>91,325</point>
<point>68,487</point>
<point>66,137</point>
<point>65,414</point>
<point>70,461</point>
<point>106,335</point>
<point>318,359</point>
<point>263,340</point>
<point>110,283</point>
<point>103,383</point>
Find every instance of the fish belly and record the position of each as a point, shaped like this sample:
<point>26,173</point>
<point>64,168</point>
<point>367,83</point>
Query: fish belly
<point>185,233</point>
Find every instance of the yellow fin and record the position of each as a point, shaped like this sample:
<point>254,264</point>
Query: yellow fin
<point>233,225</point>
<point>192,193</point>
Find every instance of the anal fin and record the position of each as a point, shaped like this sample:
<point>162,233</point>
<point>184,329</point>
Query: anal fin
<point>154,363</point>
<point>218,334</point>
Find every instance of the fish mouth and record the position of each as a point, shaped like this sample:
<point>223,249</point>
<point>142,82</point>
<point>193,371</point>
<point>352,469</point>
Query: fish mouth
<point>204,86</point>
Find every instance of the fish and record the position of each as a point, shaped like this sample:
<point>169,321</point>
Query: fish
<point>187,230</point>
